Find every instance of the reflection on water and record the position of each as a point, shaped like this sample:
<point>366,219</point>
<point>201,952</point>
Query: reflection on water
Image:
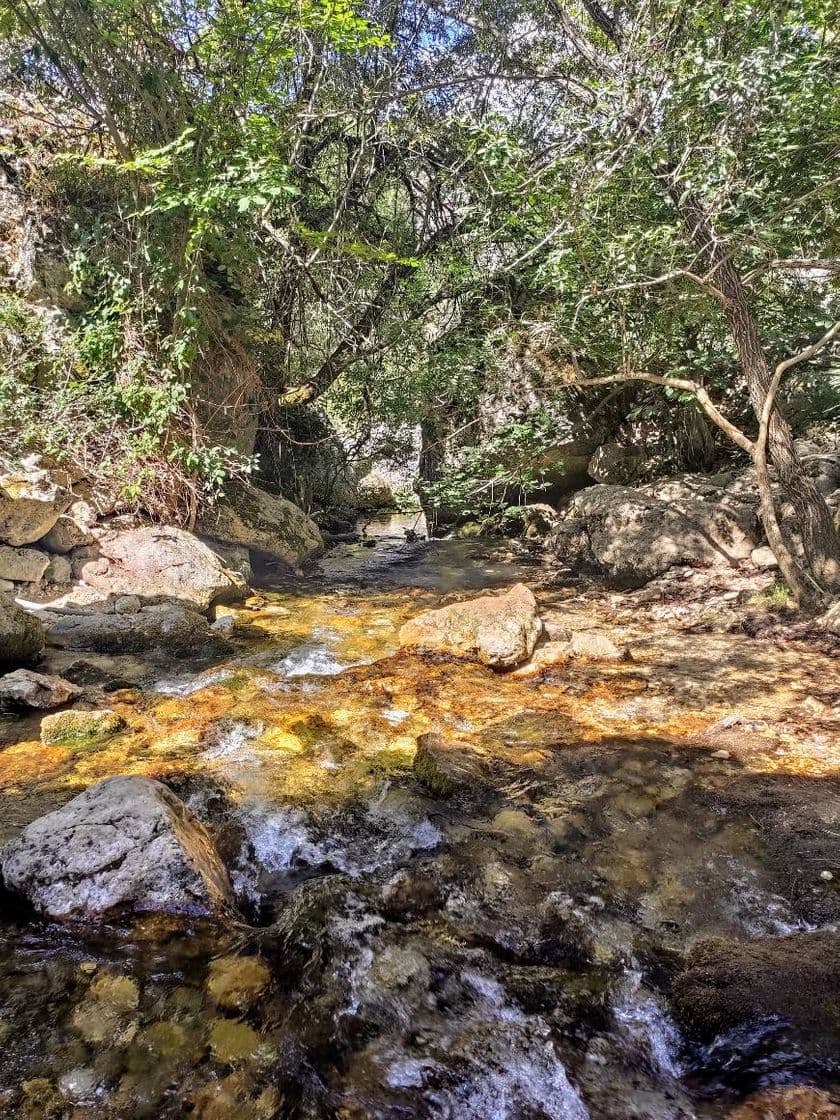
<point>505,953</point>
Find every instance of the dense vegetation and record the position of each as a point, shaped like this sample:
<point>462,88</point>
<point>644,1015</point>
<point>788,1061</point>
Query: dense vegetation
<point>588,217</point>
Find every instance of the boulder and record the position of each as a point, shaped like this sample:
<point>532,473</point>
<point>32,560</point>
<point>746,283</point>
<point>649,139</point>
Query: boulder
<point>35,690</point>
<point>123,625</point>
<point>161,562</point>
<point>266,523</point>
<point>73,529</point>
<point>21,634</point>
<point>763,558</point>
<point>497,630</point>
<point>634,535</point>
<point>126,845</point>
<point>31,501</point>
<point>22,565</point>
<point>78,726</point>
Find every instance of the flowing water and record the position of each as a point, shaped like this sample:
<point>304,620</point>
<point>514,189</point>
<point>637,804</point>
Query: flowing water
<point>506,953</point>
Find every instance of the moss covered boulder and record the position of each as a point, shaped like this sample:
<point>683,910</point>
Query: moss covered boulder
<point>265,523</point>
<point>75,726</point>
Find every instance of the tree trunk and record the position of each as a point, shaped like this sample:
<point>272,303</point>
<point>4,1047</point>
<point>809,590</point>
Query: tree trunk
<point>813,517</point>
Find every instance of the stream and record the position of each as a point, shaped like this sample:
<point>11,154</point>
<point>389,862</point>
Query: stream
<point>509,952</point>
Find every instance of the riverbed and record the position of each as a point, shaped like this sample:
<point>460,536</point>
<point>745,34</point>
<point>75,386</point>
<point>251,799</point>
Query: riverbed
<point>514,950</point>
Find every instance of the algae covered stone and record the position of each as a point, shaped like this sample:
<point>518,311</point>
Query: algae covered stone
<point>76,726</point>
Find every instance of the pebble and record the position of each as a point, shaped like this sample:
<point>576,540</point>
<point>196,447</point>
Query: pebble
<point>826,876</point>
<point>721,754</point>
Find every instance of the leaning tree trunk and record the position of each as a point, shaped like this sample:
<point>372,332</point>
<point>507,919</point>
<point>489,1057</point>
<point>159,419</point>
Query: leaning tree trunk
<point>813,517</point>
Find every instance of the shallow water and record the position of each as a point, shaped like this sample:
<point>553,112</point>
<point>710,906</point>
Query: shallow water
<point>506,953</point>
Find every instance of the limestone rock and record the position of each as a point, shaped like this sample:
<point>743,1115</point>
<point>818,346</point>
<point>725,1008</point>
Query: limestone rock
<point>161,562</point>
<point>634,535</point>
<point>73,529</point>
<point>123,625</point>
<point>31,501</point>
<point>35,690</point>
<point>127,844</point>
<point>22,565</point>
<point>763,558</point>
<point>266,523</point>
<point>21,634</point>
<point>497,630</point>
<point>76,726</point>
<point>613,463</point>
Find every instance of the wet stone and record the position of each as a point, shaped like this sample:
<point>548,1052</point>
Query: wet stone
<point>235,983</point>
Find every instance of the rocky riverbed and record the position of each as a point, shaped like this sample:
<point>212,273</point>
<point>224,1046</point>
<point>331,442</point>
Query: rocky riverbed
<point>601,884</point>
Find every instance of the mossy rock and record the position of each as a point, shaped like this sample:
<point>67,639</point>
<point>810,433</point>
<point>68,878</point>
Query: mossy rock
<point>75,726</point>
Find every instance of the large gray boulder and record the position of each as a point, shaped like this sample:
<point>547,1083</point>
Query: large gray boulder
<point>634,535</point>
<point>497,630</point>
<point>31,501</point>
<point>266,523</point>
<point>21,634</point>
<point>123,625</point>
<point>126,845</point>
<point>161,562</point>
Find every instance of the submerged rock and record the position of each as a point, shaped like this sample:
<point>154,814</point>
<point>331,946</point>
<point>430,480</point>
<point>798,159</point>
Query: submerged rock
<point>35,690</point>
<point>267,523</point>
<point>162,562</point>
<point>497,630</point>
<point>31,501</point>
<point>127,844</point>
<point>798,1102</point>
<point>726,983</point>
<point>445,768</point>
<point>235,983</point>
<point>76,726</point>
<point>21,634</point>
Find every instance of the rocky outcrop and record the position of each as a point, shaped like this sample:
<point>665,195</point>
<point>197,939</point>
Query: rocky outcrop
<point>497,630</point>
<point>21,634</point>
<point>126,845</point>
<point>161,562</point>
<point>121,624</point>
<point>615,464</point>
<point>634,535</point>
<point>265,523</point>
<point>26,689</point>
<point>31,500</point>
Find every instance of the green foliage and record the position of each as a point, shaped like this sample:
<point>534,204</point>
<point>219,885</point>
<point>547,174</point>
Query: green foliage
<point>490,476</point>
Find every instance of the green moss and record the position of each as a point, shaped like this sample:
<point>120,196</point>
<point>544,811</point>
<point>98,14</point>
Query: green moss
<point>76,726</point>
